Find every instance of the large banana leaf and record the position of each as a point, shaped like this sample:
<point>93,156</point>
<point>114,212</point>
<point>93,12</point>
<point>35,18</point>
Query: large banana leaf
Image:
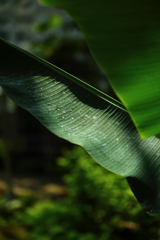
<point>83,115</point>
<point>124,37</point>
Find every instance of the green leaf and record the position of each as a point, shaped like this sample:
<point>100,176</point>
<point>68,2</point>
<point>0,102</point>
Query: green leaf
<point>124,37</point>
<point>85,116</point>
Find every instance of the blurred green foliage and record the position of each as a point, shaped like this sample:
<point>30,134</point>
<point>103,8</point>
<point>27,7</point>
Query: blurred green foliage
<point>44,30</point>
<point>98,205</point>
<point>52,22</point>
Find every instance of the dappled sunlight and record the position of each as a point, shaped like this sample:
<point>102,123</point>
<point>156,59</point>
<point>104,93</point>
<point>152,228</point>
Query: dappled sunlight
<point>35,187</point>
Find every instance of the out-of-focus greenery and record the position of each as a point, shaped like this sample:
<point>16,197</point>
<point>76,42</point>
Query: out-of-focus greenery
<point>98,205</point>
<point>52,22</point>
<point>45,47</point>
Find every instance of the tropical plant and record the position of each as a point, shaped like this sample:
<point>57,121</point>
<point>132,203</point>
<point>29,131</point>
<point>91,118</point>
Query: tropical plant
<point>118,34</point>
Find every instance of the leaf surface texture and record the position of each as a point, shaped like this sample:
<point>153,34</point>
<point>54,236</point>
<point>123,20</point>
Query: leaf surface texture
<point>85,116</point>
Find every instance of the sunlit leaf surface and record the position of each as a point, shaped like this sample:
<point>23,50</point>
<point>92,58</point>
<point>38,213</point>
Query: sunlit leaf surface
<point>83,115</point>
<point>124,37</point>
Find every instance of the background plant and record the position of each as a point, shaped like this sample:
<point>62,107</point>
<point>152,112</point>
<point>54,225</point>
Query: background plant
<point>108,212</point>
